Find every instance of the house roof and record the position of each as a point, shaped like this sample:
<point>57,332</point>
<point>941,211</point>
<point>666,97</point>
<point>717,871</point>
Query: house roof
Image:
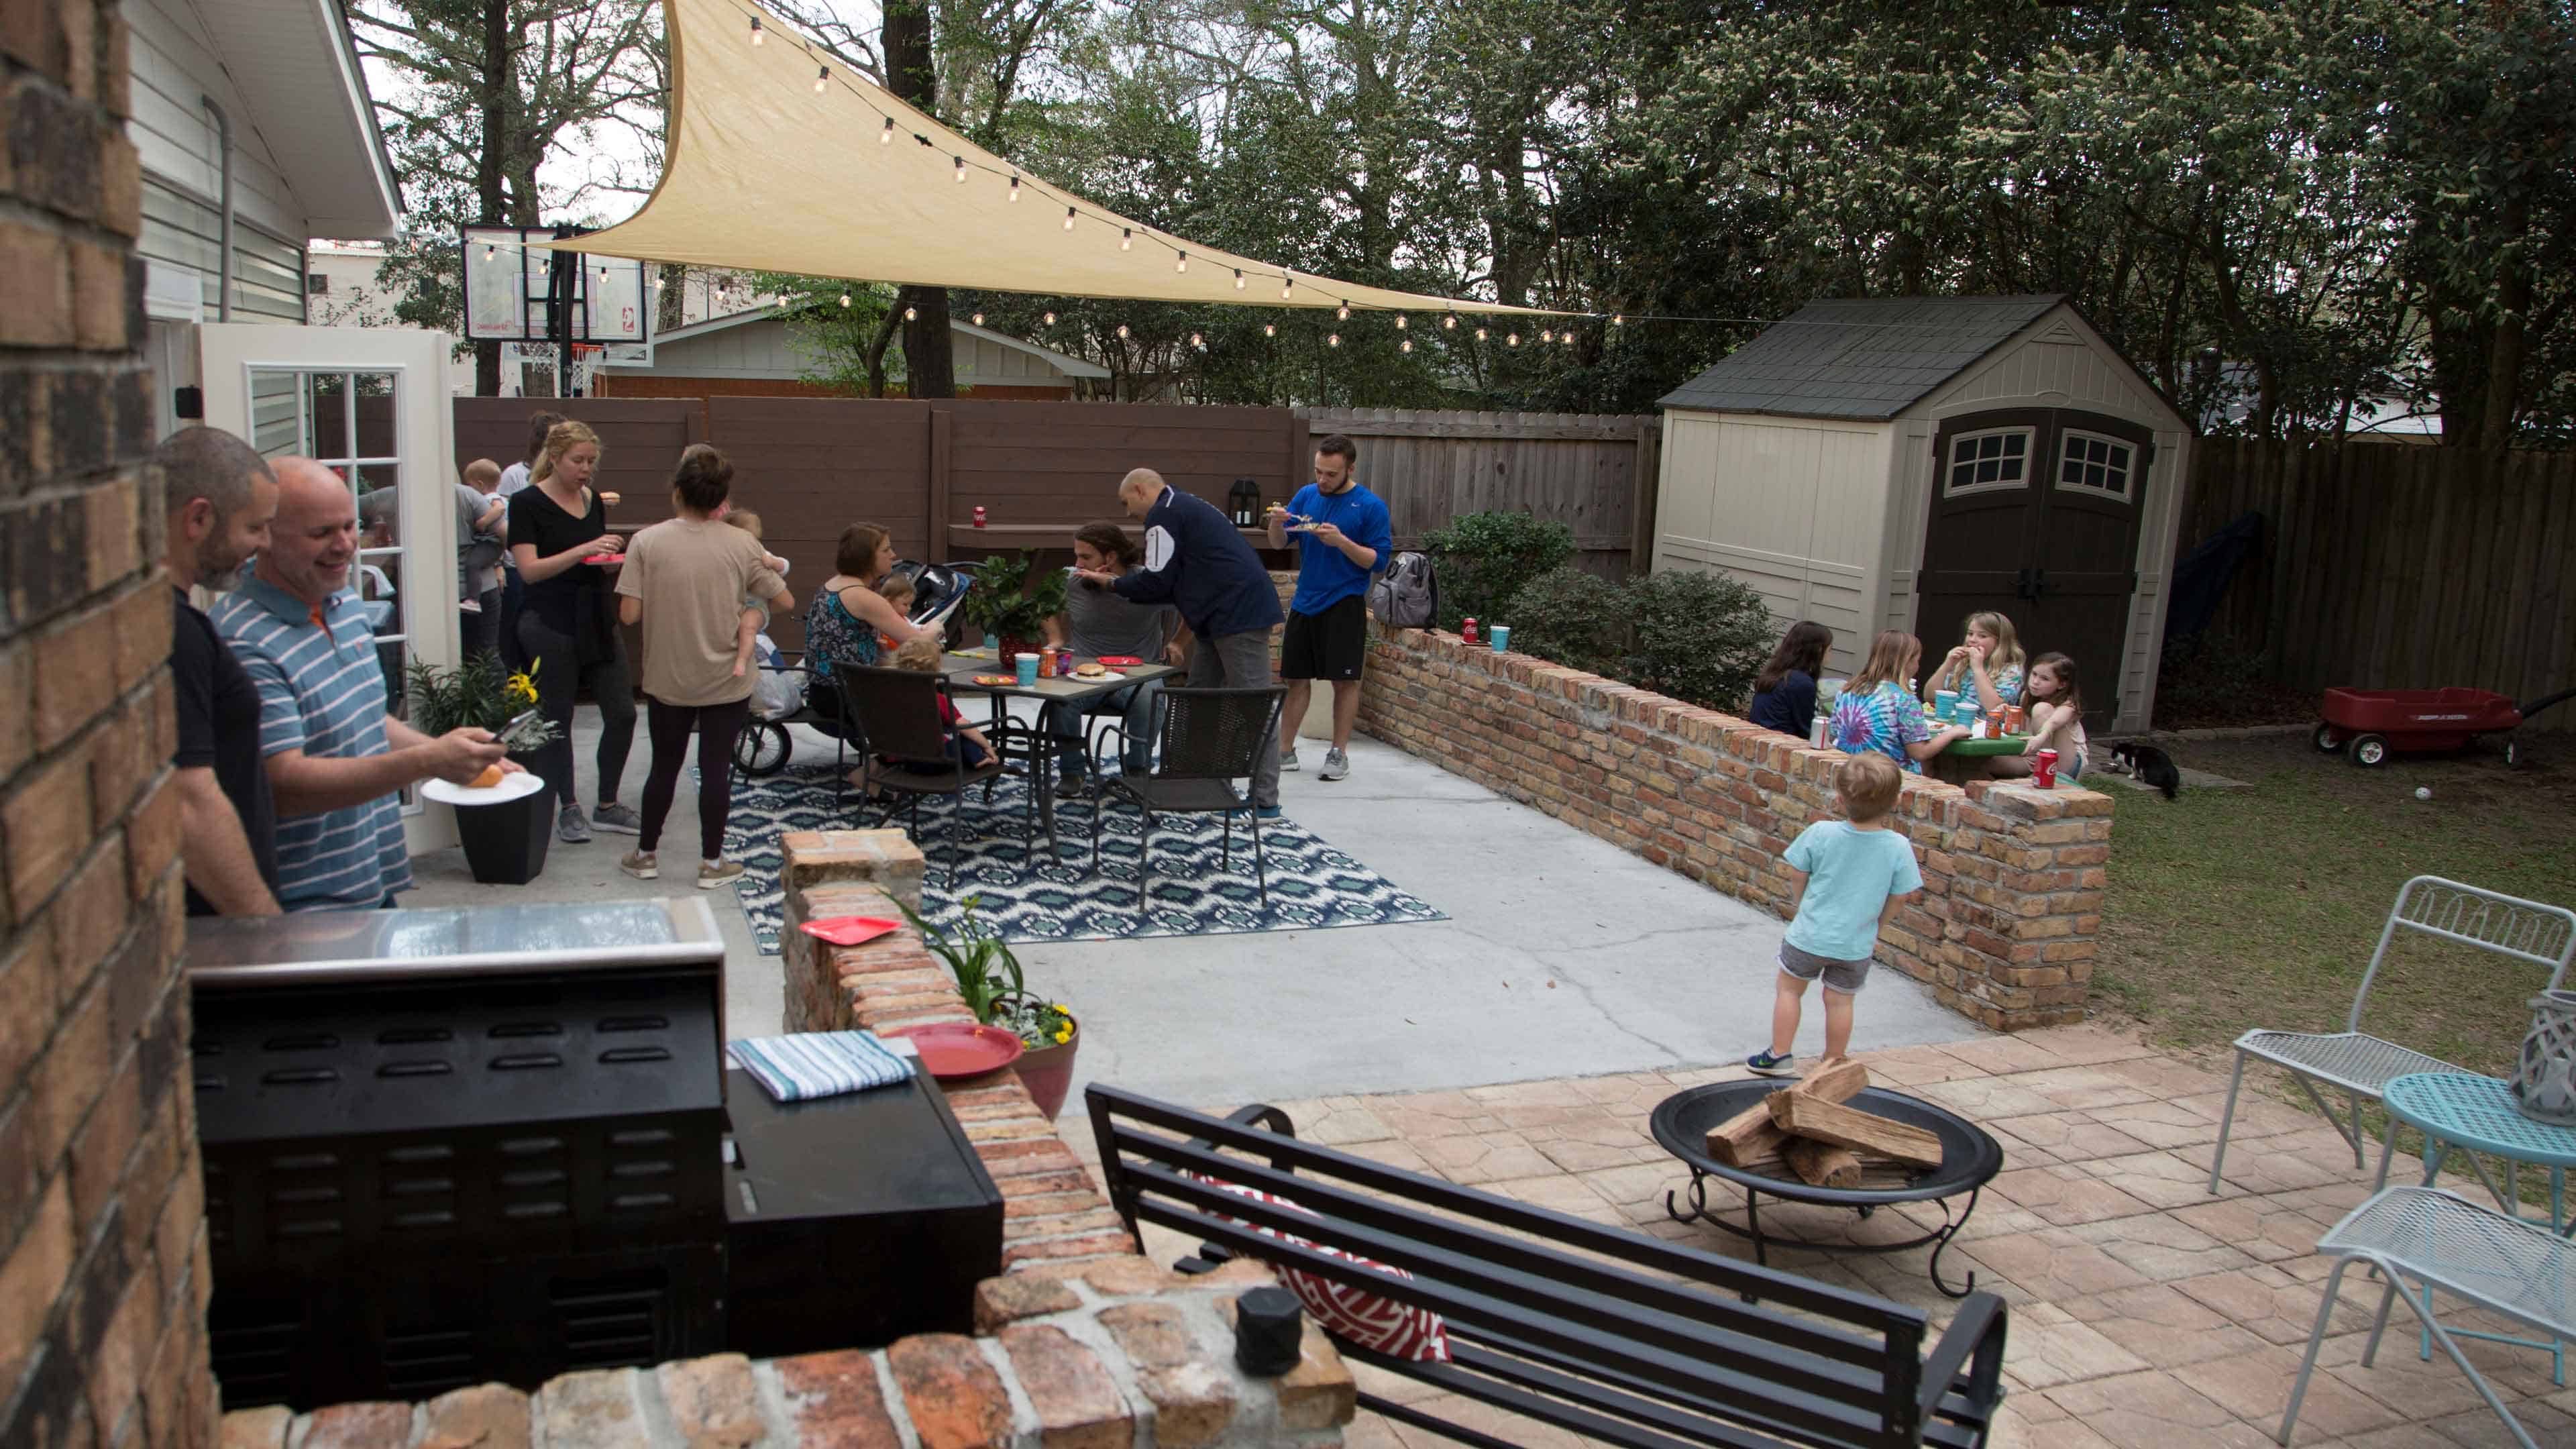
<point>302,85</point>
<point>1864,358</point>
<point>1069,366</point>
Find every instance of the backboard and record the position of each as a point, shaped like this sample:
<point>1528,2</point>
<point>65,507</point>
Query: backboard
<point>507,281</point>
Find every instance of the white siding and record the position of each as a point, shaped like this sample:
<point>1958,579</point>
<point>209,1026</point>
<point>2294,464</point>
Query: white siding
<point>174,64</point>
<point>2056,362</point>
<point>1909,488</point>
<point>2158,535</point>
<point>981,359</point>
<point>1796,509</point>
<point>753,349</point>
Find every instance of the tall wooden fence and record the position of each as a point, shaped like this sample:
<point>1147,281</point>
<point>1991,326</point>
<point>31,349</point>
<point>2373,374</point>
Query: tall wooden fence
<point>1592,472</point>
<point>2400,567</point>
<point>812,466</point>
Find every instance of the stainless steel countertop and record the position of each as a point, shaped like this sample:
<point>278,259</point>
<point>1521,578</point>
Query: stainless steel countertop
<point>321,946</point>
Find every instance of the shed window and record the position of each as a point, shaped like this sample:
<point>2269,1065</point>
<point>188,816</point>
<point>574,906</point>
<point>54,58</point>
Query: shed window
<point>2095,464</point>
<point>2000,459</point>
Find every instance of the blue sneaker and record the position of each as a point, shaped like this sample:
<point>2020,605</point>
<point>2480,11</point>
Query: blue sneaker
<point>1766,1065</point>
<point>1266,812</point>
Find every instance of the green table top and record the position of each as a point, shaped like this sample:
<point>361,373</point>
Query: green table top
<point>2008,745</point>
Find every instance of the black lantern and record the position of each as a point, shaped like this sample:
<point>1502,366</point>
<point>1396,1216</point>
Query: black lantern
<point>1243,500</point>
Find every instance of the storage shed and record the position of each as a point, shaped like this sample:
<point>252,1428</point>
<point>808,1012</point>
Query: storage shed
<point>1901,462</point>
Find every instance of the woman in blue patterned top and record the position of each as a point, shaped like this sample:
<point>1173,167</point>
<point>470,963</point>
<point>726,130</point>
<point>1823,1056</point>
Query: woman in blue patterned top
<point>844,623</point>
<point>1876,713</point>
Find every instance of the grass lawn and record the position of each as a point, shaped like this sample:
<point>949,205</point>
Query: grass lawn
<point>2230,909</point>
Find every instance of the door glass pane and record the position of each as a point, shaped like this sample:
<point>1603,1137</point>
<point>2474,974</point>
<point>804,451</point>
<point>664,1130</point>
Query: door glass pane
<point>326,405</point>
<point>375,410</point>
<point>276,416</point>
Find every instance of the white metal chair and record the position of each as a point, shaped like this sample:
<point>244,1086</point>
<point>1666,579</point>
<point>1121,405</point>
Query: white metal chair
<point>2362,1064</point>
<point>2434,1239</point>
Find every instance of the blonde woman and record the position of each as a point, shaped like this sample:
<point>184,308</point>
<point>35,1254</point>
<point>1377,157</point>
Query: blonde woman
<point>568,625</point>
<point>1986,662</point>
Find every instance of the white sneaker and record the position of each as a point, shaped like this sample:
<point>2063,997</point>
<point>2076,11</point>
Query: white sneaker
<point>1288,761</point>
<point>1337,766</point>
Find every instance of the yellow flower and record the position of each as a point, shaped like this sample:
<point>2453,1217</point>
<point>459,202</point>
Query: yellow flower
<point>521,690</point>
<point>1064,1033</point>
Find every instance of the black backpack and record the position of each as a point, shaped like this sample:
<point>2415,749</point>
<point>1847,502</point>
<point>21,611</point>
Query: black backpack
<point>1407,595</point>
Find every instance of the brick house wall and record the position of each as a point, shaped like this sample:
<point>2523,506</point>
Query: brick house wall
<point>102,1251</point>
<point>2012,901</point>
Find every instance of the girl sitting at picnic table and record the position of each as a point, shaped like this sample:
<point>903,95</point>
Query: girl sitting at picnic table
<point>2056,718</point>
<point>1987,662</point>
<point>1877,713</point>
<point>966,744</point>
<point>1784,693</point>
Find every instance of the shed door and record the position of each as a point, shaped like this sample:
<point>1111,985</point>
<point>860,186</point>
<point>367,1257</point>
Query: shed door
<point>2035,513</point>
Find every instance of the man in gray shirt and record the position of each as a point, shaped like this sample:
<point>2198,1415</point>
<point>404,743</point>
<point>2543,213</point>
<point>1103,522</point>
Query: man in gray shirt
<point>1097,622</point>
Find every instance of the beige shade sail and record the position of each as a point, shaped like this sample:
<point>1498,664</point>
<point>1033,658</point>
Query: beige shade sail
<point>764,171</point>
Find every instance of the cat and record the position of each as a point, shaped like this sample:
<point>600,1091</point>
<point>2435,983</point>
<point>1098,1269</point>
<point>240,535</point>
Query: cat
<point>2149,766</point>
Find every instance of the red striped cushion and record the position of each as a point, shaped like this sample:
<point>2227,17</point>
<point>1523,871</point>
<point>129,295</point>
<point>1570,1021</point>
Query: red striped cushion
<point>1355,1315</point>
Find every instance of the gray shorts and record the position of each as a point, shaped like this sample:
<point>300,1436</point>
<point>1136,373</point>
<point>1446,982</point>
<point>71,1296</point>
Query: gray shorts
<point>1847,977</point>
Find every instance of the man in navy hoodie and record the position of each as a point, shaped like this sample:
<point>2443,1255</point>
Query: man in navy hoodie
<point>1196,560</point>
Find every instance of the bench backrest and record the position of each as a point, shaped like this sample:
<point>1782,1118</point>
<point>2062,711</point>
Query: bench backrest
<point>1600,1331</point>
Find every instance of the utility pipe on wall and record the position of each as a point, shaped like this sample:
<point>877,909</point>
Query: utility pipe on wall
<point>224,266</point>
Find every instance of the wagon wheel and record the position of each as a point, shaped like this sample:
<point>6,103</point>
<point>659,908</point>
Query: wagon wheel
<point>762,749</point>
<point>2326,738</point>
<point>2369,750</point>
<point>2514,758</point>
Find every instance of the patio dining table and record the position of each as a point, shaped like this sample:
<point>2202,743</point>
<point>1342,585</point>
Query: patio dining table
<point>962,669</point>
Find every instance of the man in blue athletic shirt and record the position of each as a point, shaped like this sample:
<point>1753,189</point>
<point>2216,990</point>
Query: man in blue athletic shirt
<point>1198,561</point>
<point>1343,536</point>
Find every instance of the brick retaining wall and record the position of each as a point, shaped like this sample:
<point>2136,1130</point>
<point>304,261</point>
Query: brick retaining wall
<point>2013,875</point>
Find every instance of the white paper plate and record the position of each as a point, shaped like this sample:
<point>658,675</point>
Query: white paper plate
<point>512,787</point>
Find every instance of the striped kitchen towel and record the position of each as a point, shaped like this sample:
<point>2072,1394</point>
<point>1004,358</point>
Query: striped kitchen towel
<point>819,1063</point>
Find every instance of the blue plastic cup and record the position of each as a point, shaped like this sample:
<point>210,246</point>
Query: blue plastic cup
<point>1028,669</point>
<point>1945,706</point>
<point>1502,638</point>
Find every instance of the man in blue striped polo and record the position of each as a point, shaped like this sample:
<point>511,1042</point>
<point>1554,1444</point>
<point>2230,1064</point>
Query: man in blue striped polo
<point>336,761</point>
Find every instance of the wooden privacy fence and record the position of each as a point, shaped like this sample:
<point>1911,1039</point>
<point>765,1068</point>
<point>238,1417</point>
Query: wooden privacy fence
<point>812,466</point>
<point>2399,567</point>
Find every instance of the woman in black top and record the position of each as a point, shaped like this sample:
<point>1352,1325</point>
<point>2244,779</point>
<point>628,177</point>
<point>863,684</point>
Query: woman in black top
<point>568,624</point>
<point>1784,693</point>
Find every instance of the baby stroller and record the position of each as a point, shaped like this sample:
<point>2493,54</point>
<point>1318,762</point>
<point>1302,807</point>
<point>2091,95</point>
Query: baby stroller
<point>786,680</point>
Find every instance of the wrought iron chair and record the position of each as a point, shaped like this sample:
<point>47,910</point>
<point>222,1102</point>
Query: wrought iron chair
<point>2362,1064</point>
<point>896,712</point>
<point>1211,738</point>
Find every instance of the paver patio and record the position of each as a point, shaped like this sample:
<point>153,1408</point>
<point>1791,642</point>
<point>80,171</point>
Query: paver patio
<point>2147,1314</point>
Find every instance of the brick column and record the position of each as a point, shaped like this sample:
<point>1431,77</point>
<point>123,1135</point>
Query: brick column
<point>102,1253</point>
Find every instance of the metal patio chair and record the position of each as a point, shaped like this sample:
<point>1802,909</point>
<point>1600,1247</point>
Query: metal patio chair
<point>2428,1239</point>
<point>2362,1064</point>
<point>1211,738</point>
<point>896,712</point>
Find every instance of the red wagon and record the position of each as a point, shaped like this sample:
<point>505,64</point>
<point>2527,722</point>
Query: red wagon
<point>2376,723</point>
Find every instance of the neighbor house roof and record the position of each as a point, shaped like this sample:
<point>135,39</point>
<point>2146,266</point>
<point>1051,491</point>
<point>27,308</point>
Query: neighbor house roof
<point>1866,359</point>
<point>302,85</point>
<point>1069,366</point>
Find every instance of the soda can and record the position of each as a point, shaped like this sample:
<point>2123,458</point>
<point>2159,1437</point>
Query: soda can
<point>2013,719</point>
<point>979,515</point>
<point>2043,769</point>
<point>1467,631</point>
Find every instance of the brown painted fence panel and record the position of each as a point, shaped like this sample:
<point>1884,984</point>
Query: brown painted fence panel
<point>1584,470</point>
<point>2400,567</point>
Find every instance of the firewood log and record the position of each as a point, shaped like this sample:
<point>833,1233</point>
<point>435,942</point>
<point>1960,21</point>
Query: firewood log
<point>1845,1126</point>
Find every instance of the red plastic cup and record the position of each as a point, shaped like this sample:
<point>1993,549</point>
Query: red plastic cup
<point>2043,769</point>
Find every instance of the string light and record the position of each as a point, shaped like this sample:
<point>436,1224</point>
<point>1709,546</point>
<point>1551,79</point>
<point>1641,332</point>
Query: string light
<point>1196,342</point>
<point>1068,218</point>
<point>1122,331</point>
<point>1333,339</point>
<point>1015,188</point>
<point>979,319</point>
<point>1617,320</point>
<point>1181,263</point>
<point>822,78</point>
<point>1566,338</point>
<point>1480,334</point>
<point>1546,336</point>
<point>845,299</point>
<point>1405,346</point>
<point>487,251</point>
<point>911,314</point>
<point>1050,319</point>
<point>1399,321</point>
<point>755,31</point>
<point>886,136</point>
<point>1285,283</point>
<point>1127,238</point>
<point>961,169</point>
<point>1450,322</point>
<point>1512,338</point>
<point>1343,312</point>
<point>1268,330</point>
<point>1238,279</point>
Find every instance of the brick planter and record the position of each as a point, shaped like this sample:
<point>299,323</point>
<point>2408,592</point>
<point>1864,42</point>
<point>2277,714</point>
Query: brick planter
<point>2013,875</point>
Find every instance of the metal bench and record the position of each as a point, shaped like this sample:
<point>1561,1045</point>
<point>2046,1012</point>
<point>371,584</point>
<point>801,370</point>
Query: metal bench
<point>2436,1239</point>
<point>1601,1332</point>
<point>2362,1064</point>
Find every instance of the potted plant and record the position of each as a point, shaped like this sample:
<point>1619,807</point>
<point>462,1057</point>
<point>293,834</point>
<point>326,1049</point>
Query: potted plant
<point>504,839</point>
<point>1004,606</point>
<point>990,979</point>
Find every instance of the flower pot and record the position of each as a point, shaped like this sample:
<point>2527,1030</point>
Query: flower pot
<point>1013,647</point>
<point>1047,1072</point>
<point>2544,1081</point>
<point>505,840</point>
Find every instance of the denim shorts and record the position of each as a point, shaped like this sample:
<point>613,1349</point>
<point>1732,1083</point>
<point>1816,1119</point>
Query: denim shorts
<point>1847,977</point>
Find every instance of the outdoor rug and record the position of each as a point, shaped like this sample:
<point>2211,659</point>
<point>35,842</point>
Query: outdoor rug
<point>1026,896</point>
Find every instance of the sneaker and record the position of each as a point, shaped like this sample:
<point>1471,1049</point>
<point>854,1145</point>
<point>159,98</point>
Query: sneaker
<point>1288,760</point>
<point>571,828</point>
<point>1073,787</point>
<point>617,819</point>
<point>641,865</point>
<point>1266,812</point>
<point>1766,1065</point>
<point>1337,766</point>
<point>719,875</point>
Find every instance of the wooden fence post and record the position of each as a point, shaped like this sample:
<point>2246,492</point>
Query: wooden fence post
<point>1648,482</point>
<point>943,429</point>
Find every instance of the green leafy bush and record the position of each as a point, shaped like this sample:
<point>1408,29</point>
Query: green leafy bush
<point>1485,558</point>
<point>1569,617</point>
<point>1697,637</point>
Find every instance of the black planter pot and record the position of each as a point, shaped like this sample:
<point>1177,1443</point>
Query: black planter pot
<point>505,844</point>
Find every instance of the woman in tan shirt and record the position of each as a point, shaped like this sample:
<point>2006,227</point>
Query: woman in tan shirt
<point>684,582</point>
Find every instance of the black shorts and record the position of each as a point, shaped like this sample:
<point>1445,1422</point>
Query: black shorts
<point>1329,645</point>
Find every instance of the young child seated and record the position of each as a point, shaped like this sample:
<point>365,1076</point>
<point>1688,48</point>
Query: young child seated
<point>755,613</point>
<point>1850,875</point>
<point>966,744</point>
<point>898,591</point>
<point>2057,715</point>
<point>1877,714</point>
<point>1984,668</point>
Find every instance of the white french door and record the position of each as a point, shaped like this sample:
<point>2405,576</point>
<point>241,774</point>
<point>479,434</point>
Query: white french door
<point>372,404</point>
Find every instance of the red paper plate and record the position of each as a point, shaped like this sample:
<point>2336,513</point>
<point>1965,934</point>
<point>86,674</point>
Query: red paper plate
<point>1116,660</point>
<point>605,558</point>
<point>850,930</point>
<point>955,1050</point>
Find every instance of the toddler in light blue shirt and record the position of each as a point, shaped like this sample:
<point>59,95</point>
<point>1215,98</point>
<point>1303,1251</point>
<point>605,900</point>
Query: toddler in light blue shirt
<point>1851,876</point>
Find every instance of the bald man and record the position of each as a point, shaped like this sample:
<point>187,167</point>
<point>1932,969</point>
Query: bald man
<point>336,761</point>
<point>1198,561</point>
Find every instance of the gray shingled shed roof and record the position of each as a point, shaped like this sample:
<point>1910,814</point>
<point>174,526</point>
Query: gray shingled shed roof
<point>1865,358</point>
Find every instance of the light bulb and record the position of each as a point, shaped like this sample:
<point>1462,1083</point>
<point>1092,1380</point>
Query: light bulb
<point>961,169</point>
<point>1127,239</point>
<point>822,78</point>
<point>1195,341</point>
<point>1480,334</point>
<point>1122,331</point>
<point>911,314</point>
<point>1405,346</point>
<point>1285,283</point>
<point>1343,312</point>
<point>1616,320</point>
<point>1399,321</point>
<point>1566,338</point>
<point>1181,263</point>
<point>1332,339</point>
<point>1546,336</point>
<point>487,251</point>
<point>1268,330</point>
<point>886,136</point>
<point>1068,218</point>
<point>1050,319</point>
<point>1512,338</point>
<point>1238,279</point>
<point>1015,188</point>
<point>1450,322</point>
<point>845,299</point>
<point>755,30</point>
<point>979,319</point>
